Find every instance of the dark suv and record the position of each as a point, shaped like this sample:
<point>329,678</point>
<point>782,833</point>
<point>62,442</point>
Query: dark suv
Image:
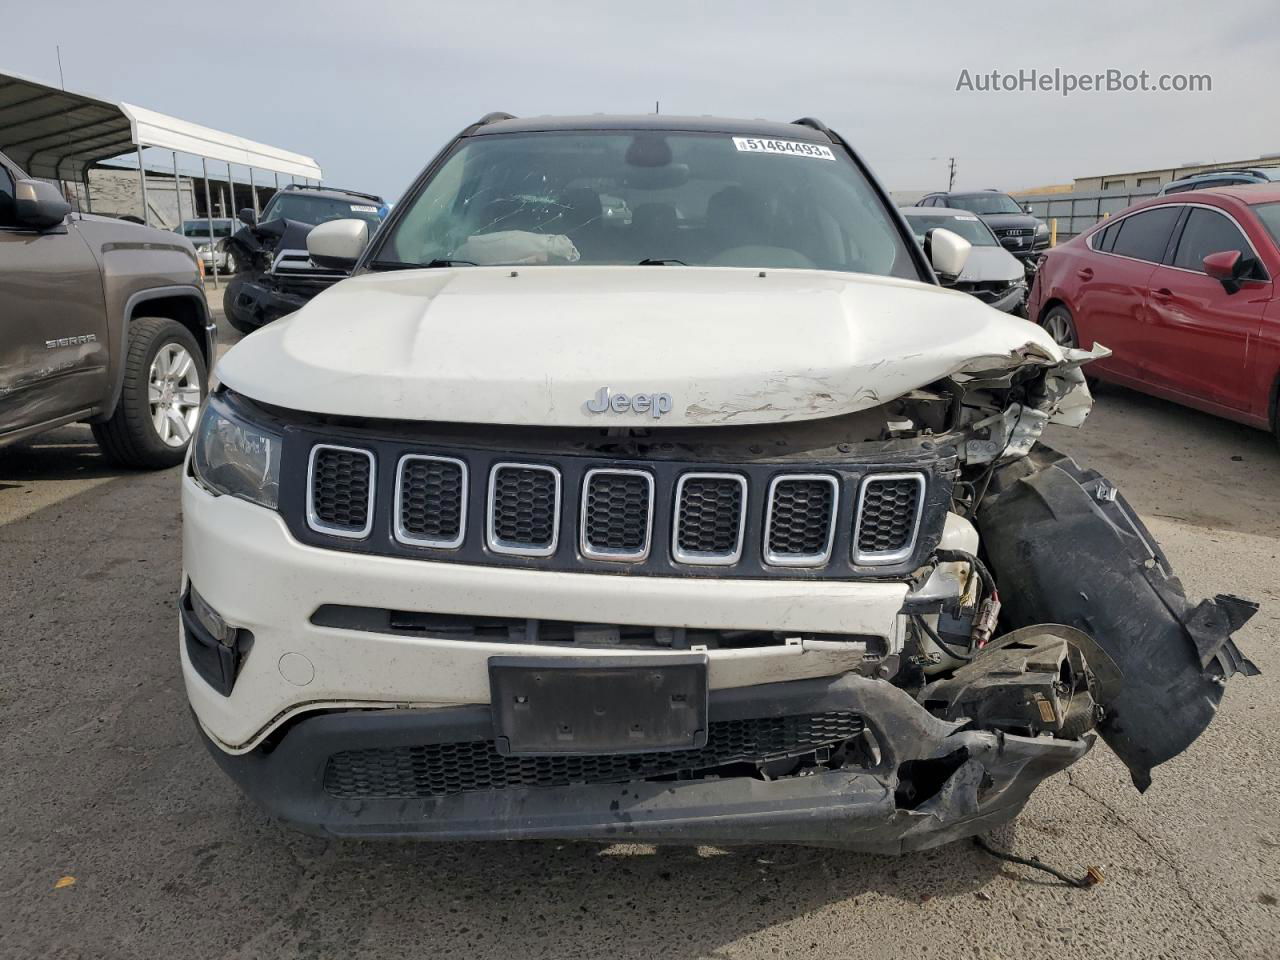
<point>101,321</point>
<point>1017,230</point>
<point>274,274</point>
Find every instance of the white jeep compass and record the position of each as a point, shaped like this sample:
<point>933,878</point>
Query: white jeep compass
<point>643,483</point>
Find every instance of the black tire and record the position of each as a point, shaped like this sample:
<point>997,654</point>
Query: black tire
<point>1059,324</point>
<point>233,313</point>
<point>130,438</point>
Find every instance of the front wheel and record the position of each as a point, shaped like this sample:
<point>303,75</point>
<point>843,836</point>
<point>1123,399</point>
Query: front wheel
<point>1059,324</point>
<point>165,381</point>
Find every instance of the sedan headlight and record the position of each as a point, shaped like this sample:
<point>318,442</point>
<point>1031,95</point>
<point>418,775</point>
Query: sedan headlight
<point>236,456</point>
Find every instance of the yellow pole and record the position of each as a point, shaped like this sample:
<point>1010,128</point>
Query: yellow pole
<point>1053,232</point>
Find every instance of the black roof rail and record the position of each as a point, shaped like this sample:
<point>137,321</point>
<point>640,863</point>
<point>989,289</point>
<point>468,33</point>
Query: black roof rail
<point>817,125</point>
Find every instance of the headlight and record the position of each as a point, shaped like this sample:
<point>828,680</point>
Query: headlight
<point>203,248</point>
<point>234,456</point>
<point>1042,229</point>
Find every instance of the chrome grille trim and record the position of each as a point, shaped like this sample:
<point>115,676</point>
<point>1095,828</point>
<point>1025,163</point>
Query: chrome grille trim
<point>465,482</point>
<point>801,560</point>
<point>515,548</point>
<point>885,557</point>
<point>695,557</point>
<point>313,521</point>
<point>604,553</point>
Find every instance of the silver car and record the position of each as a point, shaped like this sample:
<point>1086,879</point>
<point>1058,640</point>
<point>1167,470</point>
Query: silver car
<point>197,231</point>
<point>991,273</point>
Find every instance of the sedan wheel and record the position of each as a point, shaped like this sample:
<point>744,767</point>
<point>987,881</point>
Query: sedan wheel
<point>1057,323</point>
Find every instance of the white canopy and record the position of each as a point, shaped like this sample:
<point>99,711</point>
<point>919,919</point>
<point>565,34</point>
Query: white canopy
<point>58,134</point>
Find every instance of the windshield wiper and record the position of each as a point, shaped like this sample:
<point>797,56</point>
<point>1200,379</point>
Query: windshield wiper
<point>661,262</point>
<point>393,265</point>
<point>401,265</point>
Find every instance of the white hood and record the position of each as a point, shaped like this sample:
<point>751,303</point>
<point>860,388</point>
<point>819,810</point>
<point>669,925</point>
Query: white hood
<point>533,346</point>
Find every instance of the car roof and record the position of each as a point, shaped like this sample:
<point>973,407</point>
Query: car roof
<point>329,193</point>
<point>655,122</point>
<point>944,211</point>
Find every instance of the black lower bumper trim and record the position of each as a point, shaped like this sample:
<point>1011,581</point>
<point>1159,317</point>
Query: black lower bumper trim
<point>988,778</point>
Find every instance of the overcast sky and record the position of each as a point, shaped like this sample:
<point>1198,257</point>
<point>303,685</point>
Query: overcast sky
<point>372,89</point>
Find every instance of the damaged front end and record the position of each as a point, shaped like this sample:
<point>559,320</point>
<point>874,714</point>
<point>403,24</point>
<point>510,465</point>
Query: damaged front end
<point>879,700</point>
<point>1099,635</point>
<point>274,275</point>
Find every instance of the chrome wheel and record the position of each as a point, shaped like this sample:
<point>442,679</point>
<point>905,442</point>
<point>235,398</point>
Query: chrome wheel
<point>173,391</point>
<point>1059,327</point>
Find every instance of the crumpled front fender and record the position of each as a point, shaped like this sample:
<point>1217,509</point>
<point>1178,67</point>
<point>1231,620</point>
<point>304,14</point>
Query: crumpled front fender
<point>1066,548</point>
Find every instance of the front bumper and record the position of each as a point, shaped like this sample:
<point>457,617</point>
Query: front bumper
<point>244,562</point>
<point>933,781</point>
<point>257,298</point>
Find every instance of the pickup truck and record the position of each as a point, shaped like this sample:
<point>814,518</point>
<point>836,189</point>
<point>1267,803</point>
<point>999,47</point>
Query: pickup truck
<point>104,321</point>
<point>697,514</point>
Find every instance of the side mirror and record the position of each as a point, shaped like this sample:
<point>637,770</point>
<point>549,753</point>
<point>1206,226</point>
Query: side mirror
<point>39,204</point>
<point>1228,268</point>
<point>947,251</point>
<point>1026,208</point>
<point>337,244</point>
<point>248,217</point>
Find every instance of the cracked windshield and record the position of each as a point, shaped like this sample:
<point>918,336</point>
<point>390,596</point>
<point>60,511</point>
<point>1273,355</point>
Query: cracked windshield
<point>647,198</point>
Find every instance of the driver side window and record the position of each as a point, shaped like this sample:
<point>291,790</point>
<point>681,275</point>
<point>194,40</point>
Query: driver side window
<point>1208,232</point>
<point>8,213</point>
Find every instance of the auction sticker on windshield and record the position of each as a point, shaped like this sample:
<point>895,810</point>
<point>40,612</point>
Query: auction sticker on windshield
<point>793,148</point>
<point>362,208</point>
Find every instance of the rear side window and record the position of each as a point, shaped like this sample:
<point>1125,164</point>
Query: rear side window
<point>1144,236</point>
<point>1208,232</point>
<point>1103,239</point>
<point>8,216</point>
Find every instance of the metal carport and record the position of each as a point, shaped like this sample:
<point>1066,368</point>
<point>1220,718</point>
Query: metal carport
<point>58,134</point>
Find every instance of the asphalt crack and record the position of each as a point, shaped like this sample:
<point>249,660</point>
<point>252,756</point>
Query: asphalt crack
<point>1178,879</point>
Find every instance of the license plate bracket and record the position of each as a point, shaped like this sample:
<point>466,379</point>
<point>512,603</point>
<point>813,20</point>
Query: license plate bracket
<point>598,705</point>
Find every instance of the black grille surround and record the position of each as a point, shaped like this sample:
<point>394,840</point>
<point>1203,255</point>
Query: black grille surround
<point>444,769</point>
<point>938,468</point>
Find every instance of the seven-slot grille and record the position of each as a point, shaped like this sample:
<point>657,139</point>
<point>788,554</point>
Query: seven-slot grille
<point>800,526</point>
<point>431,501</point>
<point>340,490</point>
<point>889,506</point>
<point>524,509</point>
<point>711,511</point>
<point>617,514</point>
<point>796,523</point>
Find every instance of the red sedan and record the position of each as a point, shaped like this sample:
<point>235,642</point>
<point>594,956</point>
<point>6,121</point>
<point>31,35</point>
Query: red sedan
<point>1182,288</point>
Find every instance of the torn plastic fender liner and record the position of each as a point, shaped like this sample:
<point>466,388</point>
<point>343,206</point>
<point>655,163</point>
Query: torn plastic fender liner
<point>1066,548</point>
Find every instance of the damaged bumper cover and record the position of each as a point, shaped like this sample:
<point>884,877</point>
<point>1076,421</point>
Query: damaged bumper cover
<point>931,781</point>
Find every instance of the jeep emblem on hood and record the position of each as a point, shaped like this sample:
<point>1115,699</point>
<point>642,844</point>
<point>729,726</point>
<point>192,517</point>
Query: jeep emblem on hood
<point>654,404</point>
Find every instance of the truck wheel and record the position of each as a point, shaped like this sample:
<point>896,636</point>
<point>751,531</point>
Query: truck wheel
<point>1059,324</point>
<point>165,381</point>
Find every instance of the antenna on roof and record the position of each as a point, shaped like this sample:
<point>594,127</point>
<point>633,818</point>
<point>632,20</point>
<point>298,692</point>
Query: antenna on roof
<point>656,106</point>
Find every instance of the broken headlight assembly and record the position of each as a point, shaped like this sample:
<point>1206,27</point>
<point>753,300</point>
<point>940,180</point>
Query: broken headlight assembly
<point>235,456</point>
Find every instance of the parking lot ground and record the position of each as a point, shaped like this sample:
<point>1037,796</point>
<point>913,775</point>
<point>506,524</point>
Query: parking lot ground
<point>102,779</point>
